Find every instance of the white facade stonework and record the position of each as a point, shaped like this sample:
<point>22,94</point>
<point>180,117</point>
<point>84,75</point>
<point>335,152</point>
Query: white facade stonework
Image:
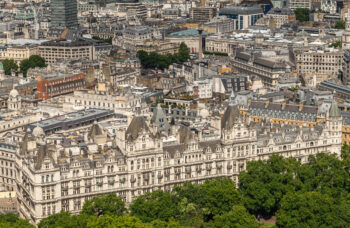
<point>56,172</point>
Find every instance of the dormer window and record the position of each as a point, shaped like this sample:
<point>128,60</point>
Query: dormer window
<point>143,139</point>
<point>47,165</point>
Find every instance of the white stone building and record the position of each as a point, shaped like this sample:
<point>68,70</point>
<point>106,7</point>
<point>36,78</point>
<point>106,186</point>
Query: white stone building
<point>56,172</point>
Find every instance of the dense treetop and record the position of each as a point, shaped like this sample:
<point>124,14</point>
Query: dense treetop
<point>155,60</point>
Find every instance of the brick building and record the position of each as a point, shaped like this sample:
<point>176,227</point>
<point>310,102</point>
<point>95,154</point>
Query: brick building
<point>55,86</point>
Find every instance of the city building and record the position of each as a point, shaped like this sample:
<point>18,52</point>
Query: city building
<point>64,50</point>
<point>319,65</point>
<point>281,16</point>
<point>17,52</point>
<point>137,35</point>
<point>269,66</point>
<point>345,40</point>
<point>295,4</point>
<point>59,85</point>
<point>171,13</point>
<point>243,16</point>
<point>159,46</point>
<point>122,102</point>
<point>64,14</point>
<point>147,155</point>
<point>346,67</point>
<point>219,24</point>
<point>202,14</point>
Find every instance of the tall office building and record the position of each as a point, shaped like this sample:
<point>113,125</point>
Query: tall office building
<point>64,14</point>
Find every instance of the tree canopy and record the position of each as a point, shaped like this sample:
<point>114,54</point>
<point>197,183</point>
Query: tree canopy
<point>32,62</point>
<point>312,209</point>
<point>238,217</point>
<point>9,66</point>
<point>155,60</point>
<point>12,220</point>
<point>104,204</point>
<point>155,205</point>
<point>107,40</point>
<point>302,14</point>
<point>340,24</point>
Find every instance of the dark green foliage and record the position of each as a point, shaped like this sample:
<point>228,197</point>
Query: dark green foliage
<point>302,14</point>
<point>264,183</point>
<point>115,222</point>
<point>108,40</point>
<point>104,204</point>
<point>326,174</point>
<point>155,205</point>
<point>9,66</point>
<point>312,209</point>
<point>12,220</point>
<point>64,219</point>
<point>219,196</point>
<point>155,60</point>
<point>339,24</point>
<point>238,217</point>
<point>32,62</point>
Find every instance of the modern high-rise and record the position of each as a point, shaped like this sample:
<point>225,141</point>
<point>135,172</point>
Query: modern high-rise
<point>64,14</point>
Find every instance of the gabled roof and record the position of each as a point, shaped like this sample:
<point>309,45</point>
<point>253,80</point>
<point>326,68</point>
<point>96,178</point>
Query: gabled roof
<point>231,115</point>
<point>137,125</point>
<point>334,110</point>
<point>43,153</point>
<point>185,134</point>
<point>95,130</point>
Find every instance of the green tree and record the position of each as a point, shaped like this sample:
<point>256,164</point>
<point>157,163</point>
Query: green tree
<point>32,62</point>
<point>302,14</point>
<point>109,221</point>
<point>143,56</point>
<point>12,220</point>
<point>104,204</point>
<point>239,217</point>
<point>339,24</point>
<point>219,196</point>
<point>24,66</point>
<point>190,214</point>
<point>153,59</point>
<point>155,205</point>
<point>64,219</point>
<point>336,44</point>
<point>214,197</point>
<point>345,156</point>
<point>326,174</point>
<point>312,209</point>
<point>264,183</point>
<point>107,40</point>
<point>162,224</point>
<point>184,53</point>
<point>9,66</point>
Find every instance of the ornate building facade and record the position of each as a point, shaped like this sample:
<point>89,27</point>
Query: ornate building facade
<point>56,172</point>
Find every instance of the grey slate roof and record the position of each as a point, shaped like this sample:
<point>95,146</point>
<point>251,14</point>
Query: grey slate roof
<point>137,125</point>
<point>230,116</point>
<point>334,110</point>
